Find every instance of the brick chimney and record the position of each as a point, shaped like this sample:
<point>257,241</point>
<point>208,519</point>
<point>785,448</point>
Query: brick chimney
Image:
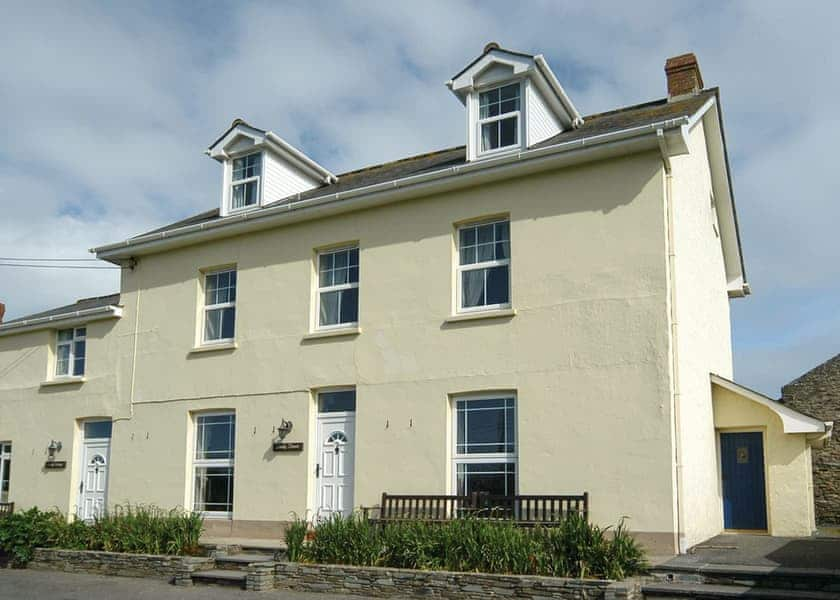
<point>683,75</point>
<point>2,311</point>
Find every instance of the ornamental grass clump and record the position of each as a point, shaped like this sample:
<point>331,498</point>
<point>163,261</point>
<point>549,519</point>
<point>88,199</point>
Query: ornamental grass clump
<point>133,529</point>
<point>572,548</point>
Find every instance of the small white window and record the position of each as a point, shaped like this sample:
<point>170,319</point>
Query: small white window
<point>70,352</point>
<point>219,306</point>
<point>245,181</point>
<point>484,266</point>
<point>338,288</point>
<point>5,469</point>
<point>499,118</point>
<point>215,441</point>
<point>485,445</point>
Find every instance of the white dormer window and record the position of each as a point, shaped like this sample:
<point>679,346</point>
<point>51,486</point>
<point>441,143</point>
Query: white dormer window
<point>245,181</point>
<point>499,117</point>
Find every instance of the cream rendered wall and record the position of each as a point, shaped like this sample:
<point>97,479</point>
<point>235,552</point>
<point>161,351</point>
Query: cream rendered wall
<point>32,414</point>
<point>787,459</point>
<point>703,337</point>
<point>587,352</point>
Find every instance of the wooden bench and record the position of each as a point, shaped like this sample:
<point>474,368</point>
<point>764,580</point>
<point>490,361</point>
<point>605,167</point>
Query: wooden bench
<point>527,510</point>
<point>6,508</point>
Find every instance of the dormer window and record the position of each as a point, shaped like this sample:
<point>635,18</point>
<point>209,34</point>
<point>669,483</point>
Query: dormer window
<point>499,117</point>
<point>245,181</point>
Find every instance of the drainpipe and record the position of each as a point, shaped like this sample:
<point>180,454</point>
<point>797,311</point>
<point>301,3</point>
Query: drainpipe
<point>133,361</point>
<point>675,369</point>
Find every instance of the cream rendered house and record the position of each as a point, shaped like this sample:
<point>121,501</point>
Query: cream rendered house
<point>542,310</point>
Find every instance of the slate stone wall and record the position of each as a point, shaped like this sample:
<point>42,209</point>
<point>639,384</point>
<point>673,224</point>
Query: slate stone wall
<point>817,393</point>
<point>402,583</point>
<point>115,563</point>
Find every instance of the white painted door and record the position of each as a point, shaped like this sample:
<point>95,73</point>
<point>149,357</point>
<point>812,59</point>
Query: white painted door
<point>93,489</point>
<point>335,467</point>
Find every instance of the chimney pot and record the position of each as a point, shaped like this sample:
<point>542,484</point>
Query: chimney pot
<point>490,46</point>
<point>683,74</point>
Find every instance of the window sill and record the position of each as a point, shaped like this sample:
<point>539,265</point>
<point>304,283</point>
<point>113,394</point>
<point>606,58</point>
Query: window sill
<point>214,347</point>
<point>338,332</point>
<point>482,314</point>
<point>63,381</point>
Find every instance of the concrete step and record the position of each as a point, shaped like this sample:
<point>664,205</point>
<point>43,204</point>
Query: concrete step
<point>750,576</point>
<point>702,591</point>
<point>229,577</point>
<point>240,561</point>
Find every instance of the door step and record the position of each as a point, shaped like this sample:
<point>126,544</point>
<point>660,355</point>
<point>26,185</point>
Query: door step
<point>705,591</point>
<point>240,561</point>
<point>779,579</point>
<point>229,577</point>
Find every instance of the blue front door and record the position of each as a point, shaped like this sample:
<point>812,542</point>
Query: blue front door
<point>742,471</point>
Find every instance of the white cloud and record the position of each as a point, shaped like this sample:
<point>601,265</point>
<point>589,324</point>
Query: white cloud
<point>107,109</point>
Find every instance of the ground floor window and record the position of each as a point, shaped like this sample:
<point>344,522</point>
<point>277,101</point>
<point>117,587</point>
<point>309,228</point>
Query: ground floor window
<point>485,445</point>
<point>5,469</point>
<point>215,441</point>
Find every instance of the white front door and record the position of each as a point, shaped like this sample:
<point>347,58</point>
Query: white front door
<point>335,467</point>
<point>93,488</point>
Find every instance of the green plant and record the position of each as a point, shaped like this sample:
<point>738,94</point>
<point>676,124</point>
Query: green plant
<point>295,536</point>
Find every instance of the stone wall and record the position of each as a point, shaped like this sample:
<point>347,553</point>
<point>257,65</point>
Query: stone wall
<point>115,563</point>
<point>817,393</point>
<point>401,583</point>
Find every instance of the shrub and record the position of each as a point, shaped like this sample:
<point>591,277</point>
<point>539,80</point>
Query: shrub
<point>134,529</point>
<point>573,548</point>
<point>295,535</point>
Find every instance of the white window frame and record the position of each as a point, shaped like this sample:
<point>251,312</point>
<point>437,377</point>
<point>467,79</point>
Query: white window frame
<point>5,454</point>
<point>208,307</point>
<point>212,462</point>
<point>71,360</point>
<point>334,288</point>
<point>459,269</point>
<point>489,457</point>
<point>481,122</point>
<point>236,182</point>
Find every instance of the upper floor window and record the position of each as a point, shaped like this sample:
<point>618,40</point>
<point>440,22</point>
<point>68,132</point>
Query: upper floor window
<point>338,287</point>
<point>70,352</point>
<point>219,306</point>
<point>245,181</point>
<point>499,117</point>
<point>484,266</point>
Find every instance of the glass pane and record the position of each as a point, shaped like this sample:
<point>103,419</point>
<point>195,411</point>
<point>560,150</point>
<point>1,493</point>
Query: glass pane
<point>354,256</point>
<point>497,285</point>
<point>81,332</point>
<point>497,479</point>
<point>468,255</point>
<point>485,431</point>
<point>349,306</point>
<point>329,308</point>
<point>79,366</point>
<point>7,468</point>
<point>79,349</point>
<point>214,489</point>
<point>502,230</point>
<point>468,236</point>
<point>485,234</point>
<point>237,199</point>
<point>507,135</point>
<point>215,437</point>
<point>65,335</point>
<point>250,193</point>
<point>489,136</point>
<point>228,318</point>
<point>325,278</point>
<point>486,252</point>
<point>62,359</point>
<point>502,250</point>
<point>472,288</point>
<point>337,401</point>
<point>98,429</point>
<point>213,324</point>
<point>340,275</point>
<point>211,282</point>
<point>353,276</point>
<point>510,91</point>
<point>340,259</point>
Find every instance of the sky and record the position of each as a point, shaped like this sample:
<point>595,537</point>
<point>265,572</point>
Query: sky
<point>106,110</point>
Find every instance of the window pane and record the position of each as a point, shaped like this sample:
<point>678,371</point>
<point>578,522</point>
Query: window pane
<point>468,236</point>
<point>215,437</point>
<point>507,135</point>
<point>497,479</point>
<point>344,400</point>
<point>250,193</point>
<point>79,366</point>
<point>486,252</point>
<point>228,319</point>
<point>486,426</point>
<point>62,360</point>
<point>213,489</point>
<point>65,335</point>
<point>325,278</point>
<point>7,468</point>
<point>468,255</point>
<point>237,199</point>
<point>510,91</point>
<point>472,288</point>
<point>502,230</point>
<point>81,332</point>
<point>340,259</point>
<point>349,306</point>
<point>489,136</point>
<point>497,285</point>
<point>502,250</point>
<point>98,429</point>
<point>329,308</point>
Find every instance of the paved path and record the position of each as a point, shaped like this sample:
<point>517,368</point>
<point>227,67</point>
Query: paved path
<point>765,551</point>
<point>22,584</point>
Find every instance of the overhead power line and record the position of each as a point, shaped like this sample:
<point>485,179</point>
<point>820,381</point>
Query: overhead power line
<point>49,259</point>
<point>31,266</point>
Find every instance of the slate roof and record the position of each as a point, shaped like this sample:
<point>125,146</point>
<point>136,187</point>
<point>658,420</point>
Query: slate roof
<point>83,304</point>
<point>597,124</point>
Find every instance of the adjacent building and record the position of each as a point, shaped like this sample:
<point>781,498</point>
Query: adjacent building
<point>544,309</point>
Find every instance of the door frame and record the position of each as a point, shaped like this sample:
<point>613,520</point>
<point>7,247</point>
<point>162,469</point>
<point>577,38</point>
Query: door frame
<point>83,462</point>
<point>756,429</point>
<point>345,416</point>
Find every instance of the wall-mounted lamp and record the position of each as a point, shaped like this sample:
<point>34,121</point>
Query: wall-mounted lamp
<point>53,448</point>
<point>283,429</point>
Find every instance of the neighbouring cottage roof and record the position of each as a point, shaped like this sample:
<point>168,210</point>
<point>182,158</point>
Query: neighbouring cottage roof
<point>593,125</point>
<point>84,306</point>
<point>817,391</point>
